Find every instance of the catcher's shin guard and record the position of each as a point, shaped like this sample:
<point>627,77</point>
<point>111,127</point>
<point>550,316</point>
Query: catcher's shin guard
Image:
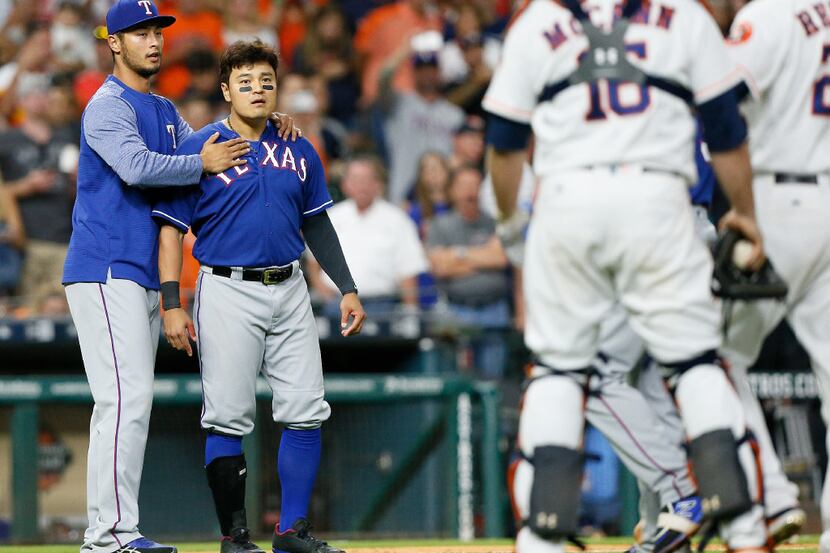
<point>724,490</point>
<point>226,478</point>
<point>554,497</point>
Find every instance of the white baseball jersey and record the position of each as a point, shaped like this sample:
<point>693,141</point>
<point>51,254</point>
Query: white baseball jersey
<point>782,47</point>
<point>672,39</point>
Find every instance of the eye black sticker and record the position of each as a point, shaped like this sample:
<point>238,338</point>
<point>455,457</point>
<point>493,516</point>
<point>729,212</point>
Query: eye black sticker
<point>267,87</point>
<point>245,88</point>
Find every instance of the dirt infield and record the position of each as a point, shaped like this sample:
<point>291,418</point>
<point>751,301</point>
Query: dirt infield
<point>808,544</point>
<point>496,548</point>
<point>596,548</point>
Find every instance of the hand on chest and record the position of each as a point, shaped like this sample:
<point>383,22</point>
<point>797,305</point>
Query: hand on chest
<point>271,162</point>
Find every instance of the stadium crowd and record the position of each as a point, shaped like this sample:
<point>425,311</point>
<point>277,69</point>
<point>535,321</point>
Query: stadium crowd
<point>387,91</point>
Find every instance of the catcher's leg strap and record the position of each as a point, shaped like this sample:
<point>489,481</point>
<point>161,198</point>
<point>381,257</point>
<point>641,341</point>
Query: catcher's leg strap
<point>677,368</point>
<point>723,484</point>
<point>226,478</point>
<point>555,493</point>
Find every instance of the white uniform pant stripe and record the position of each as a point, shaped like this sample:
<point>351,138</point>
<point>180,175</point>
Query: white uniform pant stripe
<point>118,330</point>
<point>117,419</point>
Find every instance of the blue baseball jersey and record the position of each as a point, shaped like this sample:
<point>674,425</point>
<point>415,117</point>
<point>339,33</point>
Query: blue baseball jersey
<point>127,146</point>
<point>250,215</point>
<point>704,188</point>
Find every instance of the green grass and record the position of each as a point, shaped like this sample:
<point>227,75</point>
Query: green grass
<point>809,545</point>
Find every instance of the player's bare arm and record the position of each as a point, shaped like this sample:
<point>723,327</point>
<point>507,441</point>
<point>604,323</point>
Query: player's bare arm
<point>507,153</point>
<point>735,175</point>
<point>505,168</point>
<point>178,326</point>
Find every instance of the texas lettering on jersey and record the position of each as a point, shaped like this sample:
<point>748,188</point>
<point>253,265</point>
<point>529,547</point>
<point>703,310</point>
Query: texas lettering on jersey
<point>274,159</point>
<point>652,14</point>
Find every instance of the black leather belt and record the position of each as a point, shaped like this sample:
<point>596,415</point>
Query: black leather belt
<point>273,275</point>
<point>795,178</point>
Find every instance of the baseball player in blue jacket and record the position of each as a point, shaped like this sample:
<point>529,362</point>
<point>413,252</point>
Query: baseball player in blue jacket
<point>252,308</point>
<point>128,141</point>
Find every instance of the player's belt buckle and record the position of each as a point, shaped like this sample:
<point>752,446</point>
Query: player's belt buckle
<point>276,275</point>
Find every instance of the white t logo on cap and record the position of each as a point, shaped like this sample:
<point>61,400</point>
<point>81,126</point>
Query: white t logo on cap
<point>146,4</point>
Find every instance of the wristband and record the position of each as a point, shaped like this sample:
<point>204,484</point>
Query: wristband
<point>170,295</point>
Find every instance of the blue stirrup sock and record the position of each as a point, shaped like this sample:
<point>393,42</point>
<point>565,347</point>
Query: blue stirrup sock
<point>222,446</point>
<point>297,464</point>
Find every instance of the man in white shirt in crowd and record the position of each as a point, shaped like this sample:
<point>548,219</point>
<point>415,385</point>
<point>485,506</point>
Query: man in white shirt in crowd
<point>379,240</point>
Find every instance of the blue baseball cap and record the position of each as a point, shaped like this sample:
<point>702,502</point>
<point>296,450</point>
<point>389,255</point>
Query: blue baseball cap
<point>130,13</point>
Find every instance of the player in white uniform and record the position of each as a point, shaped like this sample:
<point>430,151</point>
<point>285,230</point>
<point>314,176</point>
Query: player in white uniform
<point>612,223</point>
<point>783,49</point>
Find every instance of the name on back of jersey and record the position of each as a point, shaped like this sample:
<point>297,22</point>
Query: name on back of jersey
<point>813,19</point>
<point>652,14</point>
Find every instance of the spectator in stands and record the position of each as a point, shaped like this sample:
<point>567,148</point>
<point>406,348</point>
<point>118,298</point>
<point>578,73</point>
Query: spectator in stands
<point>72,42</point>
<point>471,268</point>
<point>414,122</point>
<point>288,86</point>
<point>379,241</point>
<point>337,135</point>
<point>30,70</point>
<point>12,243</point>
<point>467,61</point>
<point>430,198</point>
<point>382,33</point>
<point>327,52</point>
<point>53,305</point>
<point>88,81</point>
<point>204,79</point>
<point>468,144</point>
<point>242,21</point>
<point>305,99</point>
<point>39,162</point>
<point>430,193</point>
<point>197,28</point>
<point>196,110</point>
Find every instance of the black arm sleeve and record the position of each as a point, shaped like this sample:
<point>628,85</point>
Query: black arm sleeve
<point>323,242</point>
<point>723,126</point>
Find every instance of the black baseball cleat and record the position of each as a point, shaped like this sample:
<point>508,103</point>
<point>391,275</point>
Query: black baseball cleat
<point>298,540</point>
<point>239,542</point>
<point>143,545</point>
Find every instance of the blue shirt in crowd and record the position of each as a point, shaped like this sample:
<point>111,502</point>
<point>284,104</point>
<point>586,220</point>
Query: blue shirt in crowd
<point>250,215</point>
<point>127,144</point>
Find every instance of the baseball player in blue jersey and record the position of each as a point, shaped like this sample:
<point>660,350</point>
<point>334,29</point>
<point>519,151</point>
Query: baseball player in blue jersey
<point>252,308</point>
<point>128,140</point>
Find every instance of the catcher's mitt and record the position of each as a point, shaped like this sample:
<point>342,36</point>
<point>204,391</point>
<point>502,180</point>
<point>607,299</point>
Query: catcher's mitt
<point>730,282</point>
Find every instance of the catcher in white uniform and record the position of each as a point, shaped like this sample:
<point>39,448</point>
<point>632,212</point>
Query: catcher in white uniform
<point>782,48</point>
<point>609,102</point>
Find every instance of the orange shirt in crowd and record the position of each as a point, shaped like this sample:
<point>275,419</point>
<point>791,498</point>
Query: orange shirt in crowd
<point>380,34</point>
<point>173,80</point>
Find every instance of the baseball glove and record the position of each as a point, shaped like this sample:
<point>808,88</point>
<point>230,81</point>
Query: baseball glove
<point>730,282</point>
